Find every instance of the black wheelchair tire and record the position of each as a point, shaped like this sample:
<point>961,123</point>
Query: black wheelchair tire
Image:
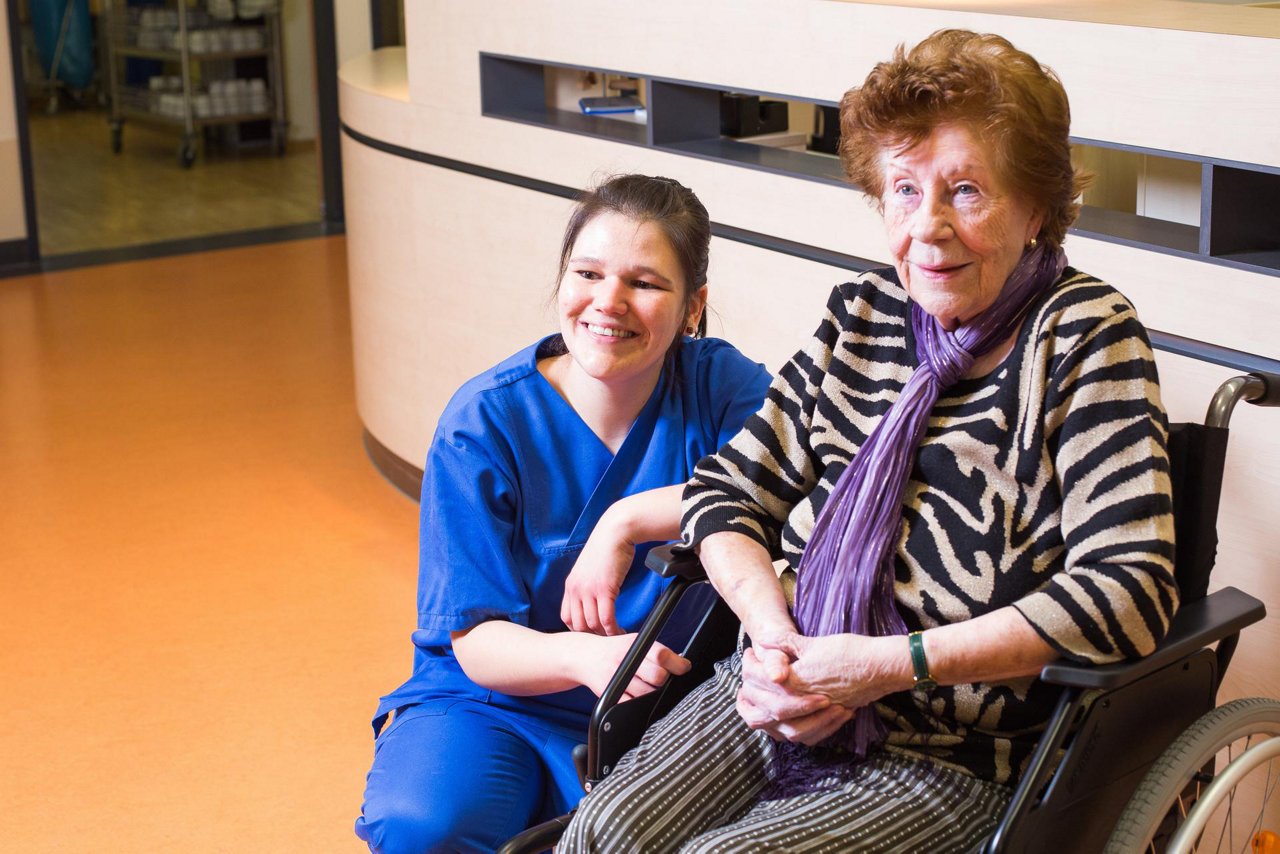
<point>1152,811</point>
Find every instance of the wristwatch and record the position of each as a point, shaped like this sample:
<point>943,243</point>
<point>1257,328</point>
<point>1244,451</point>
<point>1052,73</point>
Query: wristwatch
<point>924,681</point>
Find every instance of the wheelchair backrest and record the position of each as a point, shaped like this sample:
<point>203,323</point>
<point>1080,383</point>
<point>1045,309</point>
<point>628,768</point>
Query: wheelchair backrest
<point>1197,456</point>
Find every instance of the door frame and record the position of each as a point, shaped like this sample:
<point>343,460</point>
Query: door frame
<point>23,256</point>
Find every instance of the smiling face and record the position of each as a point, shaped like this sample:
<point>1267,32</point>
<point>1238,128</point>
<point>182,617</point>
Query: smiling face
<point>622,301</point>
<point>955,229</point>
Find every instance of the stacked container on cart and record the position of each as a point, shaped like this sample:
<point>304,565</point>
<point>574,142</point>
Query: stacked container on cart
<point>201,48</point>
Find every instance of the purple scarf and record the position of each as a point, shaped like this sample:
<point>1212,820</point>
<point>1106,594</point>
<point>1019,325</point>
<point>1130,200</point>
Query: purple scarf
<point>846,575</point>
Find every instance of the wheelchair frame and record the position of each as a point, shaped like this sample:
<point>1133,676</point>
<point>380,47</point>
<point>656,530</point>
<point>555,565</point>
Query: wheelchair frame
<point>1100,741</point>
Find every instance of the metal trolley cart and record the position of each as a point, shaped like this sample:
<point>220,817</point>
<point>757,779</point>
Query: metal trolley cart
<point>204,48</point>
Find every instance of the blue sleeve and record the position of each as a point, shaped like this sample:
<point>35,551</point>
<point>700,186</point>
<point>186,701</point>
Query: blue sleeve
<point>735,385</point>
<point>470,504</point>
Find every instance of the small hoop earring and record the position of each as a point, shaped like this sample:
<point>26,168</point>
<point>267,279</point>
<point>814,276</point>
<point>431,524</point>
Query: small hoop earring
<point>1032,243</point>
<point>689,330</point>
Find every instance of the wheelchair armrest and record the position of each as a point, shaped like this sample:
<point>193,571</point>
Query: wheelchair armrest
<point>675,560</point>
<point>1195,626</point>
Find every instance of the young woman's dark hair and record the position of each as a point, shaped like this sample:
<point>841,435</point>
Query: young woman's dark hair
<point>666,203</point>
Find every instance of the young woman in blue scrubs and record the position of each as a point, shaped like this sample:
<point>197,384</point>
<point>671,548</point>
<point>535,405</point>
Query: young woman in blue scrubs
<point>547,476</point>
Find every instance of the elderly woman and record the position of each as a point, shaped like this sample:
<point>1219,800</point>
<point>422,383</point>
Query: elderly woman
<point>967,469</point>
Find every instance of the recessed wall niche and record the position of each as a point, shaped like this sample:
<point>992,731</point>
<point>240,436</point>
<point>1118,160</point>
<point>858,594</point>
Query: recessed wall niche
<point>1204,208</point>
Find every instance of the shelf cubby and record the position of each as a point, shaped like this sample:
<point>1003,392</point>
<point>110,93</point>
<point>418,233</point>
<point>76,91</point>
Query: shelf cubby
<point>517,90</point>
<point>1243,216</point>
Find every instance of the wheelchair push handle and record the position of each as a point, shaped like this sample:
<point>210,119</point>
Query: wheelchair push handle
<point>1270,389</point>
<point>675,560</point>
<point>1261,388</point>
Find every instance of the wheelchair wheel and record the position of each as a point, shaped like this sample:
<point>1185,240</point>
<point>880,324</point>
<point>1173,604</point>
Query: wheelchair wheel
<point>1190,787</point>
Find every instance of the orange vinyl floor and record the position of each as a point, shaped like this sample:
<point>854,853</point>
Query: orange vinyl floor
<point>206,584</point>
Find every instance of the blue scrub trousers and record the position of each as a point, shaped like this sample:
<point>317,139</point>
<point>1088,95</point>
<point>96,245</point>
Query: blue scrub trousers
<point>457,775</point>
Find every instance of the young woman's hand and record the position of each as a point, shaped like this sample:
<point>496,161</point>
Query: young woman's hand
<point>592,585</point>
<point>660,663</point>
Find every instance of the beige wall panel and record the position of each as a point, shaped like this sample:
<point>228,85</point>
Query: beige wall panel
<point>354,28</point>
<point>766,303</point>
<point>373,96</point>
<point>1142,86</point>
<point>439,292</point>
<point>1249,539</point>
<point>1207,302</point>
<point>8,114</point>
<point>13,217</point>
<point>380,265</point>
<point>1170,189</point>
<point>1210,16</point>
<point>299,68</point>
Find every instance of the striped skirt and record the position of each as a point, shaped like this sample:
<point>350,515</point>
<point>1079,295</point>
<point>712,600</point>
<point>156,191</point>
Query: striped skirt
<point>691,785</point>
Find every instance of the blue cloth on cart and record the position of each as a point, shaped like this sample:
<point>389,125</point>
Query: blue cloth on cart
<point>75,63</point>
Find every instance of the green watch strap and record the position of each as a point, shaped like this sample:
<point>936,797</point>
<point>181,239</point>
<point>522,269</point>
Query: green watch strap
<point>924,681</point>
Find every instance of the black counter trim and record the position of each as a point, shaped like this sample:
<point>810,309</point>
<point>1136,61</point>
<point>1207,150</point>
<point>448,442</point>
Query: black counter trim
<point>1168,342</point>
<point>512,178</point>
<point>404,476</point>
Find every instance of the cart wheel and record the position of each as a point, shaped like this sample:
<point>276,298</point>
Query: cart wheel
<point>117,135</point>
<point>187,153</point>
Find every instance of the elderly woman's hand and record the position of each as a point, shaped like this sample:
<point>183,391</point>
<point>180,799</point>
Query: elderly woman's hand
<point>804,689</point>
<point>769,701</point>
<point>853,670</point>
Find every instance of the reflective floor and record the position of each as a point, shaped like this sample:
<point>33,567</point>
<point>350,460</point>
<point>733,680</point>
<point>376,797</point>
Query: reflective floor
<point>205,584</point>
<point>88,198</point>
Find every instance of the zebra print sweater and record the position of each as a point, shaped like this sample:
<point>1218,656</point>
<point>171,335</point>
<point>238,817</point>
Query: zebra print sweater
<point>1043,485</point>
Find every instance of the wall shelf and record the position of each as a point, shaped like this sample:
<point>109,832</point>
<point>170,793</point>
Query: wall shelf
<point>1136,230</point>
<point>1239,203</point>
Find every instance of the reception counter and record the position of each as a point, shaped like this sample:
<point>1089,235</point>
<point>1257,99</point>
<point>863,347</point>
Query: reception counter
<point>461,154</point>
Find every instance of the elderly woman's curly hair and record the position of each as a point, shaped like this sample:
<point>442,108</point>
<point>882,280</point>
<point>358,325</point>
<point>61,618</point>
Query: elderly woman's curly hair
<point>1009,100</point>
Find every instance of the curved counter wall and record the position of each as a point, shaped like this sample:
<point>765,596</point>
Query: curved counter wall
<point>454,217</point>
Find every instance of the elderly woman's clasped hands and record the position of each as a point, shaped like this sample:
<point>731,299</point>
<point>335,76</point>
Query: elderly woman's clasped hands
<point>803,689</point>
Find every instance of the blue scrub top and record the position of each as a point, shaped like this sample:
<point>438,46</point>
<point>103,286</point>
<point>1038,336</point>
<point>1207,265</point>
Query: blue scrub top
<point>515,481</point>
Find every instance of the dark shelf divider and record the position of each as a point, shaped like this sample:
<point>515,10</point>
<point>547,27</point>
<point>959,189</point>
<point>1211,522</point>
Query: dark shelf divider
<point>1243,213</point>
<point>1138,229</point>
<point>683,113</point>
<point>510,87</point>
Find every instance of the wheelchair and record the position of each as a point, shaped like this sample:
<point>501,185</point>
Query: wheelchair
<point>1137,756</point>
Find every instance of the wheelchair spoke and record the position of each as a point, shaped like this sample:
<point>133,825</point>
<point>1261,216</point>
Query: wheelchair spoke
<point>1244,802</point>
